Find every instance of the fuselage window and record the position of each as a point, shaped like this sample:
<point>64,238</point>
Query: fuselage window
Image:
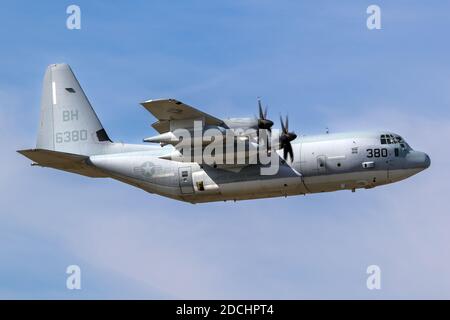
<point>396,152</point>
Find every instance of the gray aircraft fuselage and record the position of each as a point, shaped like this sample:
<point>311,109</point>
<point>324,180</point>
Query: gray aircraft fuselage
<point>323,163</point>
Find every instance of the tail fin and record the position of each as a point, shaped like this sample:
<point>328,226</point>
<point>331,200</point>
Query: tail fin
<point>68,123</point>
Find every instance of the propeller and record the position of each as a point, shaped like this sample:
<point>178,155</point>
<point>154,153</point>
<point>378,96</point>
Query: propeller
<point>285,139</point>
<point>263,122</point>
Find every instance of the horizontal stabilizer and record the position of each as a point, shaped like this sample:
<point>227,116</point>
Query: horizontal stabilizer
<point>63,161</point>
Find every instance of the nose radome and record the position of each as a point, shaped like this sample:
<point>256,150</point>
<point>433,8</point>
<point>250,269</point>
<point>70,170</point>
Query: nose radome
<point>418,159</point>
<point>427,161</point>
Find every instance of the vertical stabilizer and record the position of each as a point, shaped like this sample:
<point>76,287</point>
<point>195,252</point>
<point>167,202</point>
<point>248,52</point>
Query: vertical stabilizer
<point>68,122</point>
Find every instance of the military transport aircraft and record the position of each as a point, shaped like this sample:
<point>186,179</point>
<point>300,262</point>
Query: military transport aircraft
<point>71,138</point>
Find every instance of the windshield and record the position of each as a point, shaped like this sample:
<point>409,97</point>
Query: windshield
<point>389,138</point>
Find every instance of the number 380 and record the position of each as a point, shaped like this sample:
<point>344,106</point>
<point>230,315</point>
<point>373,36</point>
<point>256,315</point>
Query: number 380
<point>377,153</point>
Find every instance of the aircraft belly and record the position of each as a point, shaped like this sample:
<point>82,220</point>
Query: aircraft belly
<point>254,189</point>
<point>216,184</point>
<point>280,186</point>
<point>347,180</point>
<point>400,174</point>
<point>160,189</point>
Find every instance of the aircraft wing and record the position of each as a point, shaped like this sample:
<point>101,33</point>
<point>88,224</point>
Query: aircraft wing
<point>166,110</point>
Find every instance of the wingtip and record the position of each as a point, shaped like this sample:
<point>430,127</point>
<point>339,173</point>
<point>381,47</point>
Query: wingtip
<point>160,100</point>
<point>24,151</point>
<point>144,102</point>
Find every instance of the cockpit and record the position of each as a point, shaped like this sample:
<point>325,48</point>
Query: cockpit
<point>390,138</point>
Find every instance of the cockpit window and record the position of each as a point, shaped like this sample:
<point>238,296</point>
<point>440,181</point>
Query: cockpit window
<point>394,139</point>
<point>390,139</point>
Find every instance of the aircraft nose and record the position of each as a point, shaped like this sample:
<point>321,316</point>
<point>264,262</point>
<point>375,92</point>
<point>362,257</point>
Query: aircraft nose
<point>417,159</point>
<point>427,161</point>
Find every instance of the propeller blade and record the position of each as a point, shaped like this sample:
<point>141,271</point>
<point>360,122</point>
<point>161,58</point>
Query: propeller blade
<point>287,151</point>
<point>283,129</point>
<point>288,148</point>
<point>261,114</point>
<point>285,139</point>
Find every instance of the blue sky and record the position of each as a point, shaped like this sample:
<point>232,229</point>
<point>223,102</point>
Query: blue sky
<point>315,60</point>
